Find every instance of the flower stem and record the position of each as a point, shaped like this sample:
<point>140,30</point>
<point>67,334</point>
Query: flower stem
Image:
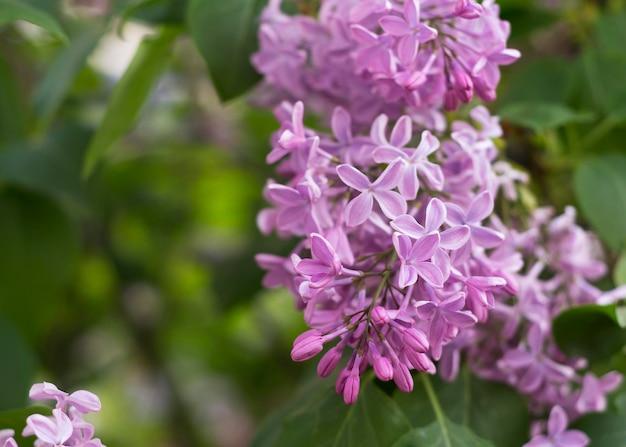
<point>434,402</point>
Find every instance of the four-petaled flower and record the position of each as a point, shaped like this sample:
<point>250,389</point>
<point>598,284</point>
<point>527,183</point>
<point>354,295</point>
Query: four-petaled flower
<point>391,203</point>
<point>415,260</point>
<point>558,436</point>
<point>410,31</point>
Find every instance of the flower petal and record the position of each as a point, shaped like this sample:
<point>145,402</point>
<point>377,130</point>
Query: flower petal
<point>402,132</point>
<point>395,26</point>
<point>359,209</point>
<point>353,177</point>
<point>391,203</point>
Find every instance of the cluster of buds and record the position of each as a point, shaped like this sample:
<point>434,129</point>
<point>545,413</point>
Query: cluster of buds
<point>66,427</point>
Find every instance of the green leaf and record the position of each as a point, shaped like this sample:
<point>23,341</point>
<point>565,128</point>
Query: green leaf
<point>436,434</point>
<point>604,429</point>
<point>604,72</point>
<point>38,258</point>
<point>544,80</point>
<point>590,331</point>
<point>12,113</point>
<point>61,73</point>
<point>600,187</point>
<point>53,168</point>
<point>158,11</point>
<point>16,375</point>
<point>492,410</point>
<point>541,116</point>
<point>16,420</point>
<point>130,94</point>
<point>610,32</point>
<point>11,10</point>
<point>225,34</point>
<point>320,418</point>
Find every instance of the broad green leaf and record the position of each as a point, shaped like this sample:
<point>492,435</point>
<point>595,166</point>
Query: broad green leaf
<point>18,368</point>
<point>12,112</point>
<point>11,10</point>
<point>604,72</point>
<point>130,94</point>
<point>444,434</point>
<point>492,410</point>
<point>589,331</point>
<point>16,420</point>
<point>541,116</point>
<point>320,418</point>
<point>52,168</point>
<point>610,32</point>
<point>38,258</point>
<point>545,80</point>
<point>164,12</point>
<point>600,187</point>
<point>604,429</point>
<point>225,34</point>
<point>61,73</point>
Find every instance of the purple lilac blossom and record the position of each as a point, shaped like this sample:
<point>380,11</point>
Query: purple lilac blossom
<point>557,435</point>
<point>66,427</point>
<point>374,57</point>
<point>401,261</point>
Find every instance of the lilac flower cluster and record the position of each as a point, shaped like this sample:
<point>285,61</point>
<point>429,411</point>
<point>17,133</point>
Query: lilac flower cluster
<point>66,427</point>
<point>401,263</point>
<point>393,263</point>
<point>559,261</point>
<point>382,56</point>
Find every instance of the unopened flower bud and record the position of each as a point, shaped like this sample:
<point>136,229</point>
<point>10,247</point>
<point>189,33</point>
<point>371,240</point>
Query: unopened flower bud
<point>464,87</point>
<point>402,377</point>
<point>351,389</point>
<point>383,369</point>
<point>307,345</point>
<point>421,362</point>
<point>379,315</point>
<point>415,339</point>
<point>329,361</point>
<point>450,101</point>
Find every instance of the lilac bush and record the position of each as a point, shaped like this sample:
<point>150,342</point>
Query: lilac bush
<point>401,262</point>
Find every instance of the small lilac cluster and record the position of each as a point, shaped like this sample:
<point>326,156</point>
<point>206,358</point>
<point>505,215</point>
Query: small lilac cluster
<point>559,261</point>
<point>379,56</point>
<point>66,427</point>
<point>401,263</point>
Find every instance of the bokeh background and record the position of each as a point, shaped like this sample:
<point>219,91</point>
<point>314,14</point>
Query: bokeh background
<point>129,190</point>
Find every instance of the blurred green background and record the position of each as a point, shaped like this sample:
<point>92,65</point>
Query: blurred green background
<point>129,190</point>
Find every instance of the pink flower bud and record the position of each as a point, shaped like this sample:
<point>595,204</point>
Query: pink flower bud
<point>450,101</point>
<point>383,369</point>
<point>340,385</point>
<point>402,377</point>
<point>329,361</point>
<point>379,315</point>
<point>415,339</point>
<point>307,346</point>
<point>351,389</point>
<point>421,362</point>
<point>464,86</point>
